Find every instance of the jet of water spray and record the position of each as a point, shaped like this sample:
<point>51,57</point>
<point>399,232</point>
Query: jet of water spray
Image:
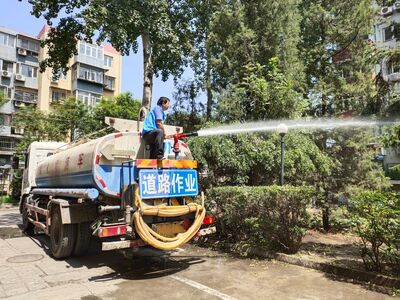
<point>270,126</point>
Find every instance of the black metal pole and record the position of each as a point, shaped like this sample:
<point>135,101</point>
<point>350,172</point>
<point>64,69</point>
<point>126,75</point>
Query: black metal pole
<point>282,158</point>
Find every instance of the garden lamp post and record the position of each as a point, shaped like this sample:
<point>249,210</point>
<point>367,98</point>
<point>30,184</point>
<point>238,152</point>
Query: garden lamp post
<point>282,130</point>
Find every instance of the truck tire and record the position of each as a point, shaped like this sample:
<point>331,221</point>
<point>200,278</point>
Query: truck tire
<point>62,236</point>
<point>82,239</point>
<point>27,226</point>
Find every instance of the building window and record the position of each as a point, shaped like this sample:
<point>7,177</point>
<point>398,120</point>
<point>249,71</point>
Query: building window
<point>29,44</point>
<point>88,98</point>
<point>90,50</point>
<point>395,69</point>
<point>7,144</point>
<point>7,66</point>
<point>7,39</point>
<point>74,72</point>
<point>59,75</point>
<point>5,120</point>
<point>109,82</point>
<point>3,91</point>
<point>57,96</point>
<point>25,96</point>
<point>27,71</point>
<point>108,61</point>
<point>90,75</point>
<point>388,34</point>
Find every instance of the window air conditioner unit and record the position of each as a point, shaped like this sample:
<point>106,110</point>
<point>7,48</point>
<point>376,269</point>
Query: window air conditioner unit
<point>19,77</point>
<point>6,74</point>
<point>386,10</point>
<point>18,130</point>
<point>397,5</point>
<point>21,51</point>
<point>394,77</point>
<point>19,104</point>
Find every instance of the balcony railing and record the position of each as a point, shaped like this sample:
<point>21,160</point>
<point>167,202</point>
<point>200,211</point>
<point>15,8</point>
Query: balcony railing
<point>7,146</point>
<point>25,96</point>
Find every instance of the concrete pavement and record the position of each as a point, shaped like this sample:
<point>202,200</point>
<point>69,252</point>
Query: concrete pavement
<point>28,271</point>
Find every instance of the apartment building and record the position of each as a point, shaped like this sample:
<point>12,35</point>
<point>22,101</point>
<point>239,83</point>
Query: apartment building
<point>94,73</point>
<point>387,35</point>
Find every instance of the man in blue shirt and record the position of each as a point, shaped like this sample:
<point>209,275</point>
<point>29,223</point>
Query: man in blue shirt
<point>153,129</point>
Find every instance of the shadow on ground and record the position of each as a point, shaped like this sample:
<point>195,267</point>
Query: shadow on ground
<point>132,264</point>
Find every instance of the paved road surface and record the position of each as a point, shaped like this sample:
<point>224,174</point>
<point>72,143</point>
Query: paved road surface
<point>28,272</point>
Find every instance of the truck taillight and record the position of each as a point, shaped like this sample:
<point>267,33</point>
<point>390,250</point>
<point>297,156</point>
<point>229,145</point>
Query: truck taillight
<point>209,219</point>
<point>112,231</point>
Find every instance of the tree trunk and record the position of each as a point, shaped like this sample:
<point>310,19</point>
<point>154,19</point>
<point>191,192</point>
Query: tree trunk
<point>147,71</point>
<point>208,82</point>
<point>325,218</point>
<point>209,93</point>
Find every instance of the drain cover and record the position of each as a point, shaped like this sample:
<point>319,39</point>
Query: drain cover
<point>24,258</point>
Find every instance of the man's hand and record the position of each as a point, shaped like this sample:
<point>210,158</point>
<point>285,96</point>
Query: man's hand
<point>161,126</point>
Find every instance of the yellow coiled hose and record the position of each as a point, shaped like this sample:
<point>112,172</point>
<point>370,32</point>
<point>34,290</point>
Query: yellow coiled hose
<point>161,242</point>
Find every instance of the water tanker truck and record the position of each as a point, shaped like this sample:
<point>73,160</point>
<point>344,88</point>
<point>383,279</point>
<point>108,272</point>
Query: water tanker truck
<point>108,188</point>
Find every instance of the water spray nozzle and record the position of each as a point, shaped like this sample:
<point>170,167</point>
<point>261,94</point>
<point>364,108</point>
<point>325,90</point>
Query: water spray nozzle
<point>178,136</point>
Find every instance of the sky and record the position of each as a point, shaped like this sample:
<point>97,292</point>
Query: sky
<point>16,15</point>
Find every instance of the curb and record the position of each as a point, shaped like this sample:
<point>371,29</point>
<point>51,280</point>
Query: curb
<point>8,206</point>
<point>380,282</point>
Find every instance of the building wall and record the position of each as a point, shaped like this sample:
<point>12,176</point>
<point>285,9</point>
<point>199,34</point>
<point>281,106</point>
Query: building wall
<point>85,79</point>
<point>384,37</point>
<point>24,85</point>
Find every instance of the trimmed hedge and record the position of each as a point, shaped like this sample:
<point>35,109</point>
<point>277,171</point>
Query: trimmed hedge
<point>272,217</point>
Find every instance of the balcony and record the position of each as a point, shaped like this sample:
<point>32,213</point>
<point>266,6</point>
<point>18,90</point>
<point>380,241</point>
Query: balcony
<point>7,146</point>
<point>26,97</point>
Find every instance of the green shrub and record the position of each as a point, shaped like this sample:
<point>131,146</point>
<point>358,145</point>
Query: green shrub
<point>16,185</point>
<point>266,216</point>
<point>393,172</point>
<point>376,220</point>
<point>339,218</point>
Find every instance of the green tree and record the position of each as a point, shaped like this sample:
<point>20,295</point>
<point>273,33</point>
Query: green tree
<point>186,111</point>
<point>201,56</point>
<point>249,33</point>
<point>392,138</point>
<point>35,125</point>
<point>387,100</point>
<point>3,98</point>
<point>332,47</point>
<point>163,27</point>
<point>254,159</point>
<point>264,93</point>
<point>353,168</point>
<point>123,106</point>
<point>70,119</point>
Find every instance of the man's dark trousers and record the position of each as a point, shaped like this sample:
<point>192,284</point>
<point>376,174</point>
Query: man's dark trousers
<point>155,139</point>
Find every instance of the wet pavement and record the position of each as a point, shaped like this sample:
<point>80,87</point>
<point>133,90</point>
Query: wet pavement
<point>28,271</point>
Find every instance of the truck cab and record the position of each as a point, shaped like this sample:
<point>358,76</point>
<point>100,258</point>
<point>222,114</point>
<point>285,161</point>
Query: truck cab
<point>37,151</point>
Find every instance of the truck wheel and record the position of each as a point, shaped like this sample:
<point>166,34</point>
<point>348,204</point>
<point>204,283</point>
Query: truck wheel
<point>27,226</point>
<point>82,239</point>
<point>62,236</point>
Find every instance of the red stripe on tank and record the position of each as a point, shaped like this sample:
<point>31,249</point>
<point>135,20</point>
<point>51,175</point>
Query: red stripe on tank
<point>118,135</point>
<point>101,181</point>
<point>97,159</point>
